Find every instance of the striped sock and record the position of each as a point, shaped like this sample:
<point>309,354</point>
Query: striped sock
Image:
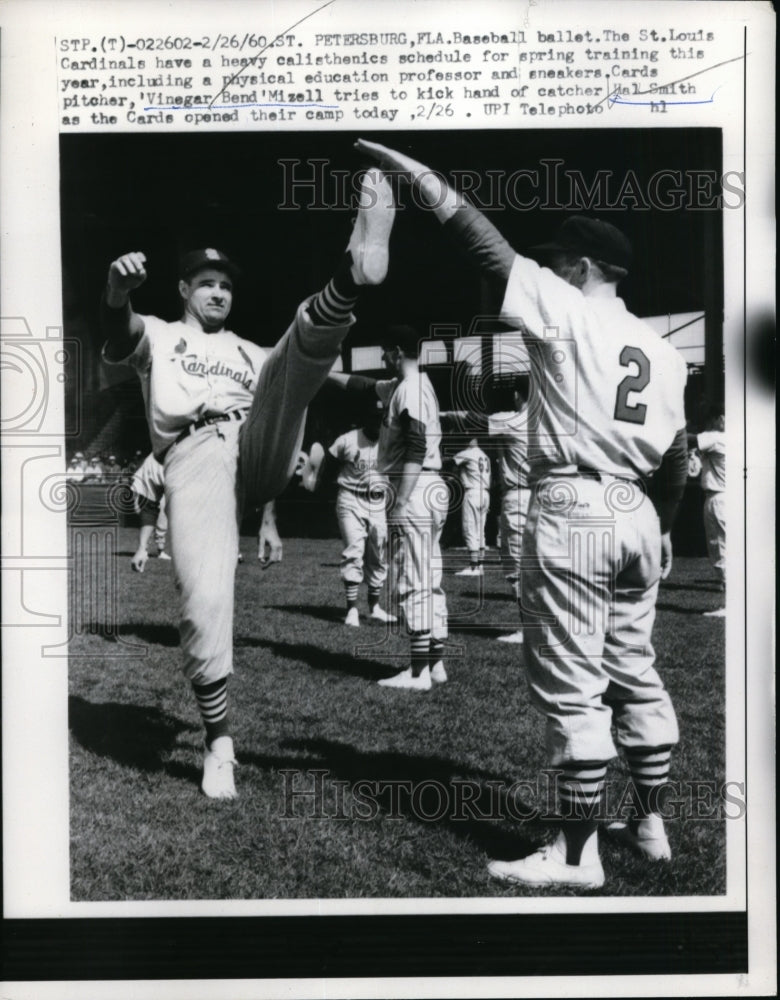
<point>351,591</point>
<point>212,702</point>
<point>421,644</point>
<point>436,651</point>
<point>649,768</point>
<point>474,558</point>
<point>581,793</point>
<point>373,597</point>
<point>333,305</point>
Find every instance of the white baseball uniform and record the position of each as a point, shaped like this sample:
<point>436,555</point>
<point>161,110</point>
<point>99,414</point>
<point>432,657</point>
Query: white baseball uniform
<point>415,548</point>
<point>712,447</point>
<point>187,375</point>
<point>360,509</point>
<point>611,403</point>
<point>474,470</point>
<point>510,430</point>
<point>149,484</point>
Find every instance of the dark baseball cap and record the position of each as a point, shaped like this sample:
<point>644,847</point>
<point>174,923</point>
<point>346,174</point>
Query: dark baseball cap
<point>404,336</point>
<point>196,260</point>
<point>590,238</point>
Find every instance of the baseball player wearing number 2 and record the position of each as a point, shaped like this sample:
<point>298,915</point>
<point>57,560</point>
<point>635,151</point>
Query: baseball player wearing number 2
<point>595,547</point>
<point>226,419</point>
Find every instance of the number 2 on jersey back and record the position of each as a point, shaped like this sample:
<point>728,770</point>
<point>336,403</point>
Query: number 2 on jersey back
<point>632,413</point>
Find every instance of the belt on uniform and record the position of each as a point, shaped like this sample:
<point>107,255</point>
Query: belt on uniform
<point>586,472</point>
<point>217,418</point>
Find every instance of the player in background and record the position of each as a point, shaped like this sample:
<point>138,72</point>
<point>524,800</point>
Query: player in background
<point>226,419</point>
<point>611,414</point>
<point>711,445</point>
<point>360,510</point>
<point>410,457</point>
<point>149,502</point>
<point>508,430</point>
<point>474,470</point>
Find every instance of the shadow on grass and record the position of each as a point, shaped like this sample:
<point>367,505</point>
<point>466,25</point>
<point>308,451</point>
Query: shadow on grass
<point>324,612</point>
<point>138,736</point>
<point>681,611</point>
<point>472,810</point>
<point>157,635</point>
<point>319,658</point>
<point>491,631</point>
<point>712,588</point>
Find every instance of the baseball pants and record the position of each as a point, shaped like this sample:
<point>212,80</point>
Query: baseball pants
<point>514,513</point>
<point>474,511</point>
<point>415,559</point>
<point>363,527</point>
<point>591,569</point>
<point>212,471</point>
<point>161,526</point>
<point>715,531</point>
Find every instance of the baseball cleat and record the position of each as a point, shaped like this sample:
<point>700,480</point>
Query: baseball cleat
<point>548,867</point>
<point>512,637</point>
<point>353,618</point>
<point>717,613</point>
<point>382,616</point>
<point>408,681</point>
<point>218,762</point>
<point>470,571</point>
<point>313,468</point>
<point>438,673</point>
<point>654,847</point>
<point>164,556</point>
<point>369,242</point>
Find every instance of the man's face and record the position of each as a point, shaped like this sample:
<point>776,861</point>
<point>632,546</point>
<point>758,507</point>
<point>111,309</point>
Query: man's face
<point>392,358</point>
<point>208,296</point>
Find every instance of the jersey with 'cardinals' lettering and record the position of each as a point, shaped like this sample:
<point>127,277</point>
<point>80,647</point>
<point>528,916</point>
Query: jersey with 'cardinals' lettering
<point>187,374</point>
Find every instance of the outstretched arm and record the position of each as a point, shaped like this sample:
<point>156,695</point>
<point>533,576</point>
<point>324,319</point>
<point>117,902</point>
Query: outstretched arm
<point>122,327</point>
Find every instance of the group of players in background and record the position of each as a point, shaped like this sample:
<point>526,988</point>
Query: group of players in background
<point>588,547</point>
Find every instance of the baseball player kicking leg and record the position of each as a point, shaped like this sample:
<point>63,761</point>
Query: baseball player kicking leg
<point>231,438</point>
<point>599,547</point>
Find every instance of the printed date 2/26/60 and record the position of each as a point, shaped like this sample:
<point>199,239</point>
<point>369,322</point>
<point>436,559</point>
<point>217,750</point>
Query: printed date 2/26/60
<point>433,110</point>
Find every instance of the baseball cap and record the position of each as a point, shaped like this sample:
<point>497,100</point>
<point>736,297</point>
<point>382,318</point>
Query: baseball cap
<point>196,260</point>
<point>404,336</point>
<point>590,238</point>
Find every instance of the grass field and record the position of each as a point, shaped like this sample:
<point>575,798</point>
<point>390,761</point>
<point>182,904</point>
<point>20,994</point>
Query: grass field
<point>404,802</point>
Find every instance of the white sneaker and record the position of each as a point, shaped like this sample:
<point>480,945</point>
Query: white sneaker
<point>512,637</point>
<point>718,613</point>
<point>653,844</point>
<point>369,242</point>
<point>164,556</point>
<point>407,680</point>
<point>382,616</point>
<point>438,673</point>
<point>218,765</point>
<point>353,618</point>
<point>548,867</point>
<point>470,571</point>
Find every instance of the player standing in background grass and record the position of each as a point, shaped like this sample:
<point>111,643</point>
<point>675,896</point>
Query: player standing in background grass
<point>611,413</point>
<point>410,457</point>
<point>474,471</point>
<point>226,419</point>
<point>149,501</point>
<point>360,510</point>
<point>711,444</point>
